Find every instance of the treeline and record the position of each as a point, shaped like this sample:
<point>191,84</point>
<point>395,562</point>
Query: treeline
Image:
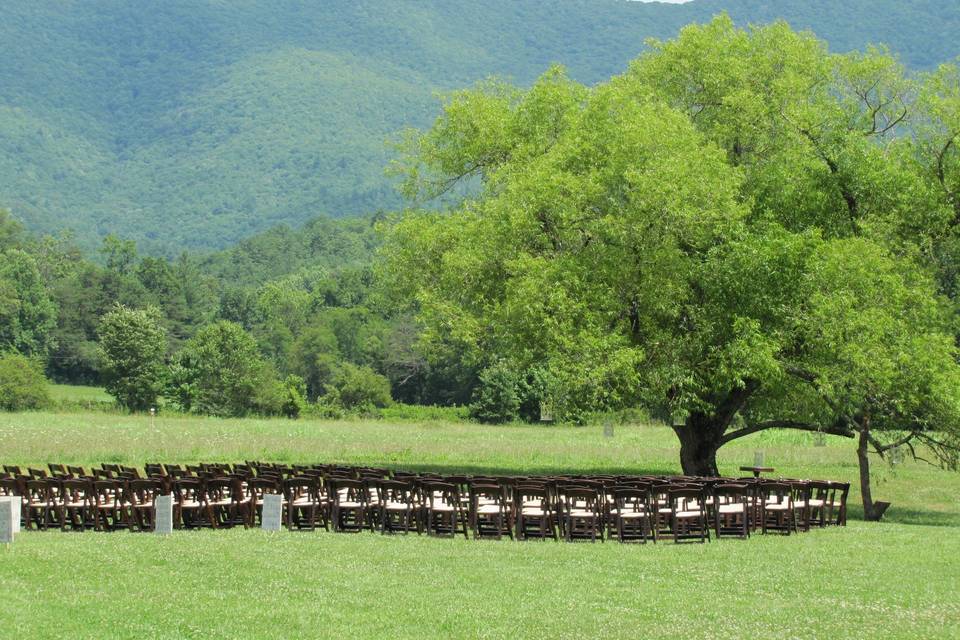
<point>286,322</point>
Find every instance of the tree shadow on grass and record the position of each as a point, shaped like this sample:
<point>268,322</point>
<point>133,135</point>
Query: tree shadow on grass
<point>904,515</point>
<point>546,470</point>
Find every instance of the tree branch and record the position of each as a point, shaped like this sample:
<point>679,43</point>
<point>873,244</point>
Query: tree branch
<point>837,429</point>
<point>881,448</point>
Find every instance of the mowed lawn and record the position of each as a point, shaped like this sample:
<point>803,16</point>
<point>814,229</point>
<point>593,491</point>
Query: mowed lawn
<point>900,578</point>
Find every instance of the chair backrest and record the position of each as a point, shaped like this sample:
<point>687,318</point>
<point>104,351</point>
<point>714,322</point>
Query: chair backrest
<point>533,492</point>
<point>153,469</point>
<point>258,487</point>
<point>800,490</point>
<point>143,492</point>
<point>734,490</point>
<point>462,482</point>
<point>632,497</point>
<point>399,491</point>
<point>299,487</point>
<point>488,493</point>
<point>9,487</point>
<point>442,494</point>
<point>776,492</point>
<point>349,490</point>
<point>75,490</point>
<point>189,489</point>
<point>580,498</point>
<point>38,491</point>
<point>107,492</point>
<point>218,489</point>
<point>686,498</point>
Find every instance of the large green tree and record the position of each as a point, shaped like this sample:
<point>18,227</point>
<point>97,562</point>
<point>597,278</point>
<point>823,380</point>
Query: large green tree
<point>727,234</point>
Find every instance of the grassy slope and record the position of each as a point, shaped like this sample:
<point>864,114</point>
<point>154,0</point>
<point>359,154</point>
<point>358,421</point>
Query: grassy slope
<point>899,579</point>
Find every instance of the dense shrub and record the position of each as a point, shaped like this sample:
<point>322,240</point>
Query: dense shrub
<point>422,413</point>
<point>284,398</point>
<point>499,395</point>
<point>220,372</point>
<point>356,387</point>
<point>22,384</point>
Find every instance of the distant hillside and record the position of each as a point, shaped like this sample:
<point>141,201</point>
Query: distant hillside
<point>196,123</point>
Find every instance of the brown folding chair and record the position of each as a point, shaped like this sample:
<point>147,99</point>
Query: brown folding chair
<point>489,514</point>
<point>777,508</point>
<point>227,502</point>
<point>445,515</point>
<point>534,510</point>
<point>582,514</point>
<point>837,503</point>
<point>398,506</point>
<point>304,505</point>
<point>632,514</point>
<point>109,512</point>
<point>40,507</point>
<point>731,510</point>
<point>190,504</point>
<point>688,514</point>
<point>140,500</point>
<point>76,505</point>
<point>349,505</point>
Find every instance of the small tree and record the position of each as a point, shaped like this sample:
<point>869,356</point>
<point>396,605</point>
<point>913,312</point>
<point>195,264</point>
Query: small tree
<point>28,316</point>
<point>22,384</point>
<point>133,344</point>
<point>497,398</point>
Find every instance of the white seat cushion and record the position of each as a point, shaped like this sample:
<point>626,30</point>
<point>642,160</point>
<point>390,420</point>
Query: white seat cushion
<point>730,508</point>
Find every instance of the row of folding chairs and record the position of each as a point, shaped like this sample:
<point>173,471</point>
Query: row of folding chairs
<point>352,499</point>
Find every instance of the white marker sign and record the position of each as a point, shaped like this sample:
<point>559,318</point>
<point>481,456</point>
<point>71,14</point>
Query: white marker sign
<point>15,504</point>
<point>6,520</point>
<point>163,514</point>
<point>272,508</point>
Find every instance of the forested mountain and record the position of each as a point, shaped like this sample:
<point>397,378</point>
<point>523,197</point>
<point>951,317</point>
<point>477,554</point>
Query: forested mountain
<point>196,123</point>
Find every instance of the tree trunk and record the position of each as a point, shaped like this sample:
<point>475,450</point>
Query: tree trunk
<point>870,512</point>
<point>699,441</point>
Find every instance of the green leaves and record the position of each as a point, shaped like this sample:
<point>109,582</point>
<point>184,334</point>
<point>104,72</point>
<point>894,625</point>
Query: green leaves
<point>133,347</point>
<point>725,229</point>
<point>27,314</point>
<point>220,372</point>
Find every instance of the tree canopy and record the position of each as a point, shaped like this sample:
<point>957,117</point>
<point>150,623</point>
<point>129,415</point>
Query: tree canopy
<point>738,233</point>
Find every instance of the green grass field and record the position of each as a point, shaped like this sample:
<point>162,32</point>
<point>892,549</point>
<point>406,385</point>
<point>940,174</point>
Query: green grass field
<point>900,578</point>
<point>79,393</point>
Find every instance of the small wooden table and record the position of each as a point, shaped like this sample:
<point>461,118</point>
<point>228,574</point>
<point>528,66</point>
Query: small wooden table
<point>757,470</point>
